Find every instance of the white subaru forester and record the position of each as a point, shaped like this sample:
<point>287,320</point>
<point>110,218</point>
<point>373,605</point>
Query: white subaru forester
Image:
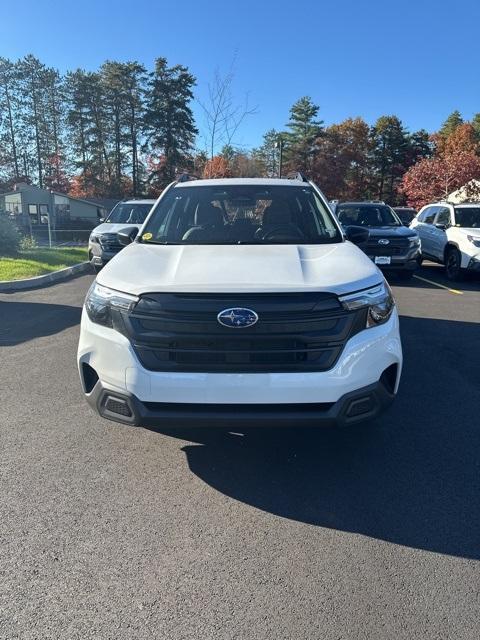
<point>240,302</point>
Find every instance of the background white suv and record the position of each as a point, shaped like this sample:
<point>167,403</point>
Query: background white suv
<point>450,234</point>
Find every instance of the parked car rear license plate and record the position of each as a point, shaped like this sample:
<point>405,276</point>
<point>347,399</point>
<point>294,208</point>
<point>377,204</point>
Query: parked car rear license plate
<point>383,259</point>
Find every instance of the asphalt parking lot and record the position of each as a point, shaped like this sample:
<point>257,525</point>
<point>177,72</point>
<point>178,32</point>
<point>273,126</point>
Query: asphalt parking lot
<point>116,532</point>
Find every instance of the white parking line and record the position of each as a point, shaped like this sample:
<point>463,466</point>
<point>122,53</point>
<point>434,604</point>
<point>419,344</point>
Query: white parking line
<point>460,293</point>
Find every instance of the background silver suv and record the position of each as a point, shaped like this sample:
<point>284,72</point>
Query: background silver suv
<point>103,243</point>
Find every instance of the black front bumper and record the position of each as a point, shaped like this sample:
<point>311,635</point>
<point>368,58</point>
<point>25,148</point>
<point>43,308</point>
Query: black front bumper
<point>99,256</point>
<point>399,264</point>
<point>352,408</point>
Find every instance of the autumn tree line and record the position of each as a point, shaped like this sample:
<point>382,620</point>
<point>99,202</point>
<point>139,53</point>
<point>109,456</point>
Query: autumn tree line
<point>124,130</point>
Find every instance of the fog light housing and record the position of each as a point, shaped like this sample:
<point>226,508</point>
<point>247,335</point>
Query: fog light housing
<point>118,406</point>
<point>360,406</point>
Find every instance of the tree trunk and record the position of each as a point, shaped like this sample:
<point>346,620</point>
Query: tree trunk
<point>37,136</point>
<point>118,160</point>
<point>56,146</point>
<point>133,139</point>
<point>12,131</point>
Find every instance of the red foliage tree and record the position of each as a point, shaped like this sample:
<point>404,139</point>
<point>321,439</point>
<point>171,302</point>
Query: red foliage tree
<point>462,140</point>
<point>341,162</point>
<point>80,187</point>
<point>56,177</point>
<point>435,178</point>
<point>217,167</point>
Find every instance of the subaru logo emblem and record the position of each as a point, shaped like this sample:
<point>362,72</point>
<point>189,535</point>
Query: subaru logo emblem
<point>383,241</point>
<point>237,318</point>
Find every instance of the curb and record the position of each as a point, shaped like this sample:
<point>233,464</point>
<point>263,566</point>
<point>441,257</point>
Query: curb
<point>46,279</point>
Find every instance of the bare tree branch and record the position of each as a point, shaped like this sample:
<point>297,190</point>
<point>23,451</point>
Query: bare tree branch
<point>223,116</point>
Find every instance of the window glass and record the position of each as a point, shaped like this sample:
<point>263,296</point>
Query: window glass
<point>62,210</point>
<point>443,216</point>
<point>367,215</point>
<point>467,217</point>
<point>13,203</point>
<point>129,213</point>
<point>44,214</point>
<point>428,215</point>
<point>405,214</point>
<point>33,212</point>
<point>241,214</point>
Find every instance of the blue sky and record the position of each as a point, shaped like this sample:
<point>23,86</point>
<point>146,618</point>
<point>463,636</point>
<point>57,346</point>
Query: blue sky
<point>419,60</point>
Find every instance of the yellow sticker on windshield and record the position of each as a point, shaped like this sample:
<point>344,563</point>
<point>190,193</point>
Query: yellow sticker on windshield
<point>147,236</point>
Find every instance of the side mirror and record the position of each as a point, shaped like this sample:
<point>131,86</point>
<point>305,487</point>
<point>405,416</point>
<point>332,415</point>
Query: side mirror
<point>441,226</point>
<point>127,235</point>
<point>357,235</point>
<point>100,220</point>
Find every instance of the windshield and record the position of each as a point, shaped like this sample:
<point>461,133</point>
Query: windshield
<point>467,217</point>
<point>241,214</point>
<point>129,213</point>
<point>367,215</point>
<point>406,215</point>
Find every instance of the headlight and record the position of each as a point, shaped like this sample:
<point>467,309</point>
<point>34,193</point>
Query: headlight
<point>414,241</point>
<point>101,304</point>
<point>378,300</point>
<point>475,240</point>
<point>94,238</point>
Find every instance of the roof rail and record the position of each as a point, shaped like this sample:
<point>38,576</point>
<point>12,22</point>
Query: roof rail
<point>186,177</point>
<point>297,175</point>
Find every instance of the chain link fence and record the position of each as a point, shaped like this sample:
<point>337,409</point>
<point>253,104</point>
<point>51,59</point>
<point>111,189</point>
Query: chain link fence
<point>60,237</point>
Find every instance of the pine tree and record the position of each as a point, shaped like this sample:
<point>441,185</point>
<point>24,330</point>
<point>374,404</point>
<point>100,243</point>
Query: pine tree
<point>268,154</point>
<point>32,75</point>
<point>113,88</point>
<point>169,123</point>
<point>304,131</point>
<point>8,133</point>
<point>90,127</point>
<point>420,146</point>
<point>134,78</point>
<point>389,157</point>
<point>451,123</point>
<point>476,126</point>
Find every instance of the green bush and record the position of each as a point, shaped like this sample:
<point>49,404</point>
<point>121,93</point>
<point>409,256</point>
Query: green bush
<point>27,242</point>
<point>9,236</point>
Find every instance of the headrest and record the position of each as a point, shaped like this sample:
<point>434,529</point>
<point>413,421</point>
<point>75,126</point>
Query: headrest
<point>277,213</point>
<point>208,214</point>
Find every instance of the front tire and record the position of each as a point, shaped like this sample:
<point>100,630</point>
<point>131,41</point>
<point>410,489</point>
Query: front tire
<point>453,264</point>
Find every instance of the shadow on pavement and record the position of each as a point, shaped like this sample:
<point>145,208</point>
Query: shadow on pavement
<point>412,477</point>
<point>23,321</point>
<point>436,273</point>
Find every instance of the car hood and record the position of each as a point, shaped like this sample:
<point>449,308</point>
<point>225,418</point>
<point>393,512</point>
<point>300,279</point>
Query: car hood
<point>338,268</point>
<point>107,227</point>
<point>391,232</point>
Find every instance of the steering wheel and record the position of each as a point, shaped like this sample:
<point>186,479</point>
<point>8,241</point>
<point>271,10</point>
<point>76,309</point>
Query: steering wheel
<point>287,230</point>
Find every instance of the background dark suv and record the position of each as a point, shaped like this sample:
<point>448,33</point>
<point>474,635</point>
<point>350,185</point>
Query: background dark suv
<point>391,245</point>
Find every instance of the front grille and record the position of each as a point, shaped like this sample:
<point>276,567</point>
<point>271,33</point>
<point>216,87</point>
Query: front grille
<point>395,247</point>
<point>295,332</point>
<point>109,242</point>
